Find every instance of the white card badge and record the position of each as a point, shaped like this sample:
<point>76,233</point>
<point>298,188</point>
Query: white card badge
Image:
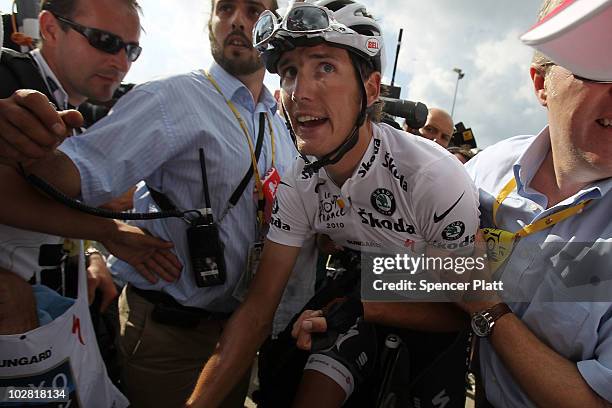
<point>253,259</point>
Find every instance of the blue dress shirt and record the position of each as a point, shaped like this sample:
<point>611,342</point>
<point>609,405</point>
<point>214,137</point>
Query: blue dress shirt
<point>557,281</point>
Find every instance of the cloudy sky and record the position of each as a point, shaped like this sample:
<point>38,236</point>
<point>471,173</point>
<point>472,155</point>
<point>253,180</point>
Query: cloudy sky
<point>480,37</point>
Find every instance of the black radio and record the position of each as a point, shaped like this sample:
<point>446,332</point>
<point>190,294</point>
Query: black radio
<point>206,253</point>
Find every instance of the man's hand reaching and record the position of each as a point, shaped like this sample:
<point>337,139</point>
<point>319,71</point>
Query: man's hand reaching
<point>150,256</point>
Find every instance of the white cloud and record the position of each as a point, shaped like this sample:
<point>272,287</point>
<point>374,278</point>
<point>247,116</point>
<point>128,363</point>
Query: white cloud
<point>494,98</point>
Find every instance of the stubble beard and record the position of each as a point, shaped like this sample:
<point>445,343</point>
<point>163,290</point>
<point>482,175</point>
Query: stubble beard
<point>237,65</point>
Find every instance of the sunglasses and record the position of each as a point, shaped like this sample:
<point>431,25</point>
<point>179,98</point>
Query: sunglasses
<point>103,40</point>
<point>301,19</point>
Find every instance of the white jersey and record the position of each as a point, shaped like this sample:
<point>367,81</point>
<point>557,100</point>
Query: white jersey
<point>406,192</point>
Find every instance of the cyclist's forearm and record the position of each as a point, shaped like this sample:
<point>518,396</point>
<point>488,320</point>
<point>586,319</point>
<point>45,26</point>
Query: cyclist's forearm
<point>235,353</point>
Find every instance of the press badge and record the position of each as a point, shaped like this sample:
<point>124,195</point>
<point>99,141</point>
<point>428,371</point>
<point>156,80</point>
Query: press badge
<point>269,185</point>
<point>254,256</point>
<point>500,244</point>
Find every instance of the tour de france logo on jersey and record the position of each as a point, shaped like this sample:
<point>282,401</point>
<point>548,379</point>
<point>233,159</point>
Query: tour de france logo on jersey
<point>383,201</point>
<point>453,231</point>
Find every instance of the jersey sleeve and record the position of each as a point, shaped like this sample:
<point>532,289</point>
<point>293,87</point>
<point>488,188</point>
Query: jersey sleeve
<point>446,206</point>
<point>289,224</point>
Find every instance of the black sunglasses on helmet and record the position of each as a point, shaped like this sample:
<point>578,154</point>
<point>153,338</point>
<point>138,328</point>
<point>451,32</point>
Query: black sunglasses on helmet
<point>103,40</point>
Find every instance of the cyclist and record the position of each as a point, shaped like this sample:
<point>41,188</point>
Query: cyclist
<point>364,184</point>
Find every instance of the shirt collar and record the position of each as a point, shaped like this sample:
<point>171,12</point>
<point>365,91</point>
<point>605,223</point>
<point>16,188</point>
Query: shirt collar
<point>53,84</point>
<point>237,92</point>
<point>529,162</point>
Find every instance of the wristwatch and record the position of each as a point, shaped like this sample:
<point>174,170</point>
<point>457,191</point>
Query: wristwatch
<point>91,251</point>
<point>483,321</point>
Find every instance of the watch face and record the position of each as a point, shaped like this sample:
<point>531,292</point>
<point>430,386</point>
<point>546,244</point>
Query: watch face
<point>480,325</point>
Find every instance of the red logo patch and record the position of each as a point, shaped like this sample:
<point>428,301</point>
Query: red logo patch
<point>76,328</point>
<point>409,244</point>
<point>373,44</point>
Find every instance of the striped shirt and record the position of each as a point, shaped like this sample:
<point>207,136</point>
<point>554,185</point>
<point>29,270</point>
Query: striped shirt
<point>153,134</point>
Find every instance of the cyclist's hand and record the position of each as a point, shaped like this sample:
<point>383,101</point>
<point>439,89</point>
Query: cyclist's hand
<point>310,321</point>
<point>477,300</point>
<point>150,256</point>
<point>30,127</point>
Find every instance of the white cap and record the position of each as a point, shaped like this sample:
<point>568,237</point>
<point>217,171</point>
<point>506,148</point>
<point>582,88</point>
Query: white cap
<point>577,36</point>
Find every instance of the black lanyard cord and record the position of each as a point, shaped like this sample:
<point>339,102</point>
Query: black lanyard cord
<point>249,174</point>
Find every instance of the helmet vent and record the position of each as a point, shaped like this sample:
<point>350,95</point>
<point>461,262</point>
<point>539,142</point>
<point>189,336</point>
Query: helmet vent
<point>337,5</point>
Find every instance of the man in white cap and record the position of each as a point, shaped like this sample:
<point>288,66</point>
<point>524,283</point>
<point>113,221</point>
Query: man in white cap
<point>572,36</point>
<point>545,201</point>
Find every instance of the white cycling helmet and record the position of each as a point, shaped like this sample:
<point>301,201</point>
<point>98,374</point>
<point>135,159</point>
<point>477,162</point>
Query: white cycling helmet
<point>340,23</point>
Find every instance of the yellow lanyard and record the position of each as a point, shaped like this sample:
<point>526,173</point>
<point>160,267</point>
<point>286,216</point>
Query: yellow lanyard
<point>541,224</point>
<point>245,130</point>
<point>500,243</point>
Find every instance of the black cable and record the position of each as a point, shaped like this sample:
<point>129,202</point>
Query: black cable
<point>99,212</point>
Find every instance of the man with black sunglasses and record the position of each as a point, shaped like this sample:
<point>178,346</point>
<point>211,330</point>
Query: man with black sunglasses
<point>68,69</point>
<point>86,50</point>
<point>170,326</point>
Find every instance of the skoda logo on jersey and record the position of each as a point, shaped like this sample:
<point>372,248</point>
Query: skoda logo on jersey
<point>383,201</point>
<point>453,231</point>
